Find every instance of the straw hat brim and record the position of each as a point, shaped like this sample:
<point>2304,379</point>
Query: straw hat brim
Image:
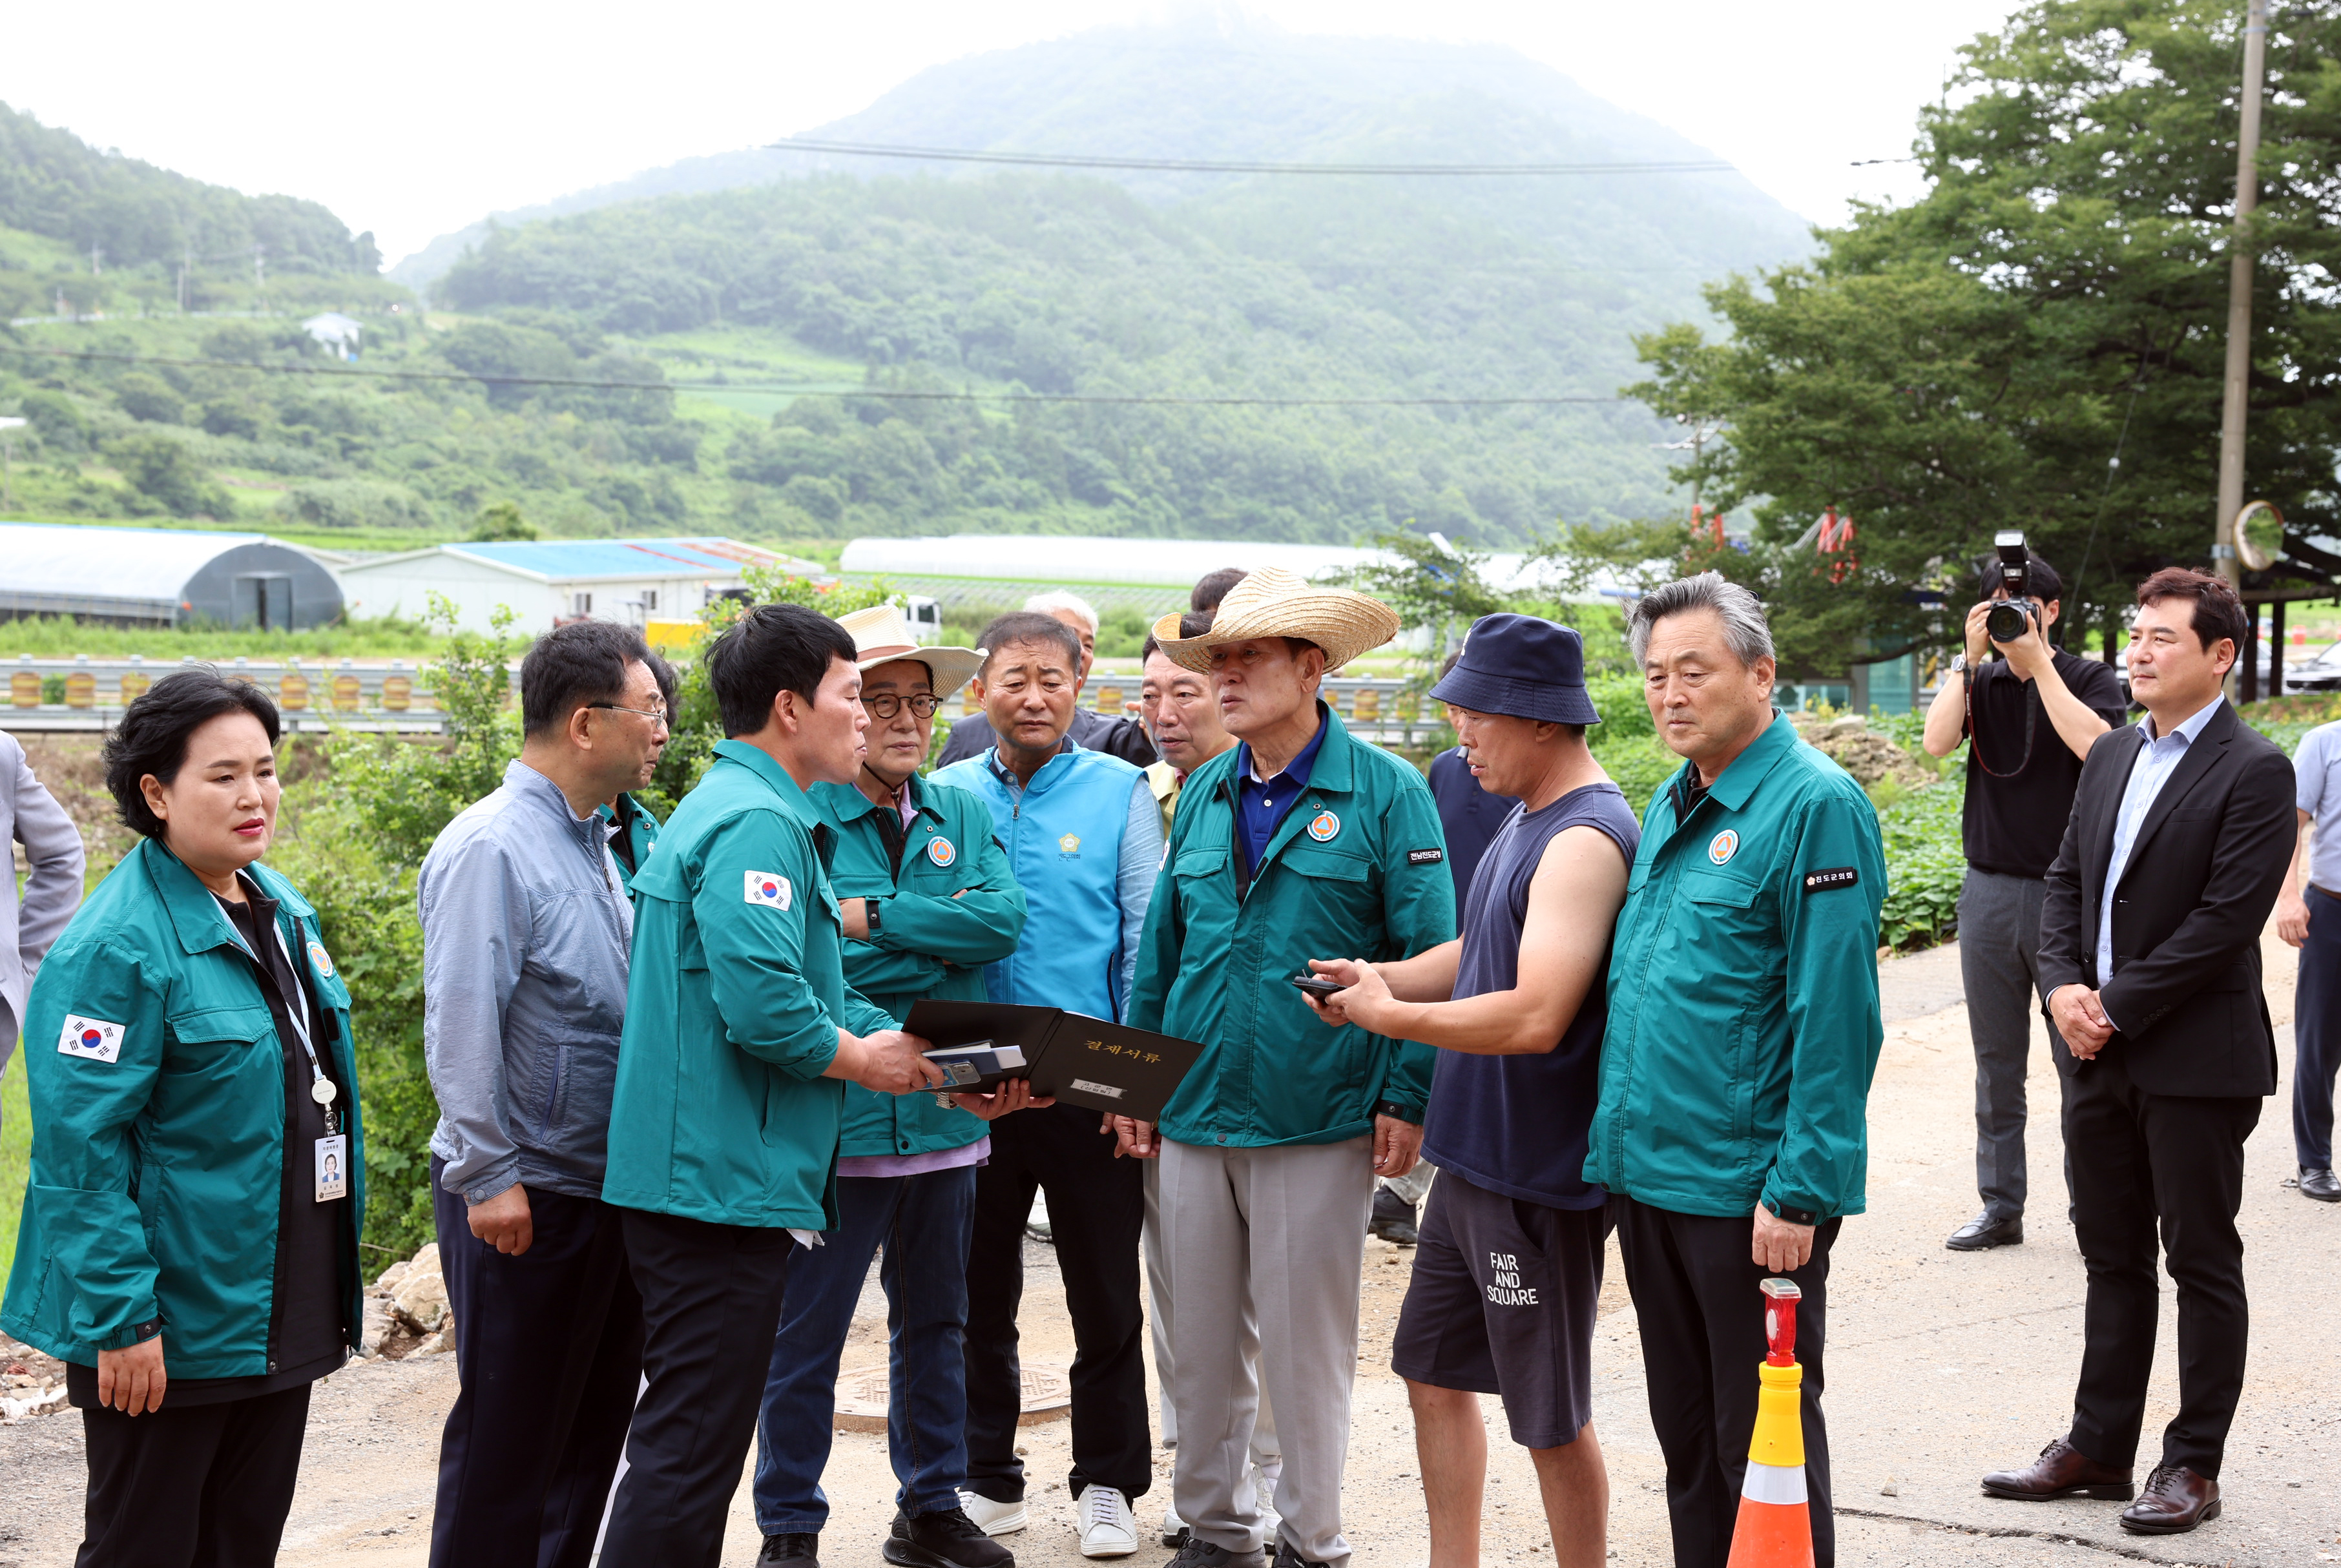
<point>949,668</point>
<point>1343,623</point>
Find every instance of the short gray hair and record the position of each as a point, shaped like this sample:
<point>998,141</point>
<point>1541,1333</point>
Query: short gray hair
<point>1741,612</point>
<point>1052,603</point>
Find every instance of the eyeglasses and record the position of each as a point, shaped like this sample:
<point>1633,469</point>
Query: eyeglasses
<point>888,705</point>
<point>655,715</point>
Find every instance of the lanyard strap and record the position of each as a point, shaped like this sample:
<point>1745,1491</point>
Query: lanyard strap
<point>296,1012</point>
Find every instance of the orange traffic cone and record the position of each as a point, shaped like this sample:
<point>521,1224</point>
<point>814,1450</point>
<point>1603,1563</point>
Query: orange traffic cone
<point>1775,1527</point>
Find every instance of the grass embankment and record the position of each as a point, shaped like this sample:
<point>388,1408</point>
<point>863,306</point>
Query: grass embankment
<point>61,637</point>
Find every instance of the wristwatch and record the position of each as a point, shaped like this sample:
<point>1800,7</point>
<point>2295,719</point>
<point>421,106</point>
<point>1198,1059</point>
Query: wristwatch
<point>1960,667</point>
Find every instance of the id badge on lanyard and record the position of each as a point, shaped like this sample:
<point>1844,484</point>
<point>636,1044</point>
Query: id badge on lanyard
<point>332,1151</point>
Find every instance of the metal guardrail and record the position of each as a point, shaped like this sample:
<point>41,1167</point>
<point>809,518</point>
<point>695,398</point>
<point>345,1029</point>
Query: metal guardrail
<point>66,695</point>
<point>312,695</point>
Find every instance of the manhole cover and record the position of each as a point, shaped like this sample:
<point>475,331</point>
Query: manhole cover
<point>861,1398</point>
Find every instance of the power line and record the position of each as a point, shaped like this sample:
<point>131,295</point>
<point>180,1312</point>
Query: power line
<point>891,395</point>
<point>1241,166</point>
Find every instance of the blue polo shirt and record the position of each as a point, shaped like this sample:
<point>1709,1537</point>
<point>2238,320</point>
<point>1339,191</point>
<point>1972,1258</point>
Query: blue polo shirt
<point>1260,809</point>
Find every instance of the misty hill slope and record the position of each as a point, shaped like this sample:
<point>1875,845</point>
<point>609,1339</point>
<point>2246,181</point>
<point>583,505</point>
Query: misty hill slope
<point>1190,91</point>
<point>56,185</point>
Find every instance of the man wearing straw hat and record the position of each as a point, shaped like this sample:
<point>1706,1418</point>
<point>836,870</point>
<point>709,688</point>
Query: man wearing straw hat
<point>1300,843</point>
<point>928,900</point>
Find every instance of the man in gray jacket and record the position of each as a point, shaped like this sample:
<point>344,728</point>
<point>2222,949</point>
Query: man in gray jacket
<point>526,930</point>
<point>30,816</point>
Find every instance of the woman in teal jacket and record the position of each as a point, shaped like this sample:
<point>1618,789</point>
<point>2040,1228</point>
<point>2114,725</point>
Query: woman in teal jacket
<point>189,1246</point>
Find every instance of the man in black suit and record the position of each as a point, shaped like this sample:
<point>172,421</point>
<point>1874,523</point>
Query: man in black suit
<point>2150,968</point>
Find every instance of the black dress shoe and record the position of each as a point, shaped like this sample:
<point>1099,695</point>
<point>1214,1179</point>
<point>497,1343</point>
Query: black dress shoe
<point>2322,1186</point>
<point>1983,1232</point>
<point>2059,1472</point>
<point>2175,1501</point>
<point>945,1539</point>
<point>799,1550</point>
<point>1393,1219</point>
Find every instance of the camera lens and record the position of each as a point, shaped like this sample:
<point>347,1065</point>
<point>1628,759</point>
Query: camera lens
<point>2005,621</point>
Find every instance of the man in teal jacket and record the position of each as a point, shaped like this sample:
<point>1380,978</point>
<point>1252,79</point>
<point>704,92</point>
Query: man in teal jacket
<point>1743,1030</point>
<point>1300,843</point>
<point>740,1036</point>
<point>927,900</point>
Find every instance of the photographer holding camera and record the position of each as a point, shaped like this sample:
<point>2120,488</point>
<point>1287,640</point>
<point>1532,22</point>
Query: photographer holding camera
<point>2030,716</point>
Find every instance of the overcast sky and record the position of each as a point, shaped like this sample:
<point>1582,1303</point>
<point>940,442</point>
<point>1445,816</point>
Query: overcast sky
<point>414,119</point>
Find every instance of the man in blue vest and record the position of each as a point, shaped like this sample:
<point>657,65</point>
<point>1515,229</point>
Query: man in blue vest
<point>1084,840</point>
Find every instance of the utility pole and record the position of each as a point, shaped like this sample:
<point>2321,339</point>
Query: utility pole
<point>186,272</point>
<point>96,258</point>
<point>260,258</point>
<point>2234,405</point>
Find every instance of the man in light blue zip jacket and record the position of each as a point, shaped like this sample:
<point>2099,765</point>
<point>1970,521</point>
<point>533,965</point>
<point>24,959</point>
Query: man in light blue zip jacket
<point>1084,838</point>
<point>526,933</point>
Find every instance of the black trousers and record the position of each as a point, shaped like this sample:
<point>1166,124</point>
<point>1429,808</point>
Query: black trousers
<point>711,1303</point>
<point>1097,1207</point>
<point>549,1349</point>
<point>2171,1163</point>
<point>1702,1320</point>
<point>195,1487</point>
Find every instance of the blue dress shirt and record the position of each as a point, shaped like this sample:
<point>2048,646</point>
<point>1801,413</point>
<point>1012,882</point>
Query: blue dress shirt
<point>1262,806</point>
<point>2157,760</point>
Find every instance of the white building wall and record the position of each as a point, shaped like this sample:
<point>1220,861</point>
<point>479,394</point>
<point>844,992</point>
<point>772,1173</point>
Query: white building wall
<point>404,587</point>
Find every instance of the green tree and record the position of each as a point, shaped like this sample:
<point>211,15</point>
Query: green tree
<point>148,398</point>
<point>500,521</point>
<point>162,470</point>
<point>2037,343</point>
<point>697,724</point>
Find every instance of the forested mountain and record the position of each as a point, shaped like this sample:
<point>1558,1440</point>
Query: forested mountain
<point>1193,90</point>
<point>142,218</point>
<point>899,347</point>
<point>1182,286</point>
<point>1072,287</point>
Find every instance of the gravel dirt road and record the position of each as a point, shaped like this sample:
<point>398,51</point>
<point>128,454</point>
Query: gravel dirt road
<point>1942,1365</point>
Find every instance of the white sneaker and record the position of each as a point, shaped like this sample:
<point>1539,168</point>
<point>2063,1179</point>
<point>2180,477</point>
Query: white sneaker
<point>1107,1529</point>
<point>1264,1478</point>
<point>993,1518</point>
<point>1174,1529</point>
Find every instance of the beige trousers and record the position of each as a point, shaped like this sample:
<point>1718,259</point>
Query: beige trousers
<point>1263,1250</point>
<point>1264,1451</point>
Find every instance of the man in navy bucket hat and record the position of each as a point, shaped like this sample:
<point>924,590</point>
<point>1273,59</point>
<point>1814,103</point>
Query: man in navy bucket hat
<point>1507,1277</point>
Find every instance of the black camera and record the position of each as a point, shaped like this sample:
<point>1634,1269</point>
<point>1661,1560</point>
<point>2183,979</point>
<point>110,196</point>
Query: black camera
<point>2020,612</point>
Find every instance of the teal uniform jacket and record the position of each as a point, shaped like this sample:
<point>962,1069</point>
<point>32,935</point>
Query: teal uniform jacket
<point>952,907</point>
<point>639,834</point>
<point>733,1002</point>
<point>158,1147</point>
<point>1355,871</point>
<point>1744,1021</point>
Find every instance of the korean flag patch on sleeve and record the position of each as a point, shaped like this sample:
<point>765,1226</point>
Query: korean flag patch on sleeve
<point>93,1037</point>
<point>770,887</point>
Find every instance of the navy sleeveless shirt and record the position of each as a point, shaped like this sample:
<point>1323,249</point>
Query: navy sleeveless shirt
<point>1516,1125</point>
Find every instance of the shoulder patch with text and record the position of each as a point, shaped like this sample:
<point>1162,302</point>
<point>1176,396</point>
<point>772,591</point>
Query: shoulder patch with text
<point>93,1038</point>
<point>1834,876</point>
<point>1425,857</point>
<point>770,888</point>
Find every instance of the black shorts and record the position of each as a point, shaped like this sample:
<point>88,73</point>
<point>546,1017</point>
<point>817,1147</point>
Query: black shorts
<point>1502,1302</point>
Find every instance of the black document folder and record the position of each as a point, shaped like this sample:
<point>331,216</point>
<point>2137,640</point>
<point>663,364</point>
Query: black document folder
<point>1081,1060</point>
